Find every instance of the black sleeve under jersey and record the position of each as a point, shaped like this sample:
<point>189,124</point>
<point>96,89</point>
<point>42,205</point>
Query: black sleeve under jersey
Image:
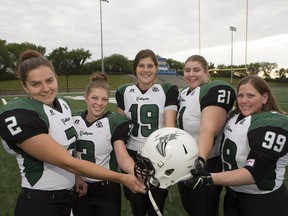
<point>221,96</point>
<point>265,150</point>
<point>172,96</point>
<point>120,100</point>
<point>267,141</point>
<point>261,165</point>
<point>121,132</point>
<point>20,124</point>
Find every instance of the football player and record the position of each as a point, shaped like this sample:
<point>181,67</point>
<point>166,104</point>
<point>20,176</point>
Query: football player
<point>40,132</point>
<point>150,106</point>
<point>203,109</point>
<point>254,154</point>
<point>102,136</point>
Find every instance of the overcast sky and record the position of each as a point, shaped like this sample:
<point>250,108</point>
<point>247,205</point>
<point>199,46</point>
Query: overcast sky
<point>169,28</point>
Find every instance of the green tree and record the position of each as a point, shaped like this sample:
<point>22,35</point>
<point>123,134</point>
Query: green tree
<point>60,61</point>
<point>223,73</point>
<point>69,62</point>
<point>6,63</point>
<point>9,57</point>
<point>253,68</point>
<point>77,58</point>
<point>211,65</point>
<point>117,63</point>
<point>173,64</point>
<point>15,49</point>
<point>267,68</point>
<point>281,73</point>
<point>92,66</point>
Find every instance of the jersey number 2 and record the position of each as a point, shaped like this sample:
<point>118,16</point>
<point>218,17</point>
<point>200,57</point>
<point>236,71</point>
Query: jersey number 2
<point>12,126</point>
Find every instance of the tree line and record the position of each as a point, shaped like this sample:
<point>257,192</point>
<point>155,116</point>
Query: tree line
<point>78,61</point>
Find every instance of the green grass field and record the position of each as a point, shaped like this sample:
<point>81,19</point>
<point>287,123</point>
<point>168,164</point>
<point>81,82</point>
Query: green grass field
<point>10,178</point>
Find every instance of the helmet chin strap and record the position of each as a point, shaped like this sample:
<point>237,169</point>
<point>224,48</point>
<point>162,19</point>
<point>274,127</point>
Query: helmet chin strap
<point>160,164</point>
<point>154,203</point>
<point>141,168</point>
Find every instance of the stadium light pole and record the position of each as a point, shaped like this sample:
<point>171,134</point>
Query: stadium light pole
<point>199,30</point>
<point>232,29</point>
<point>246,36</point>
<point>102,59</point>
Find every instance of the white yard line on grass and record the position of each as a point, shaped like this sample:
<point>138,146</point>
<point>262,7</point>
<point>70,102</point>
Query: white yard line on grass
<point>111,100</point>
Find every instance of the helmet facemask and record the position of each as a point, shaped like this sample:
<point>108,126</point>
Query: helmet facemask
<point>145,170</point>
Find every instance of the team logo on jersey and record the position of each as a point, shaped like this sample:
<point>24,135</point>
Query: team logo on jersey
<point>65,106</point>
<point>64,120</point>
<point>242,121</point>
<point>229,129</point>
<point>141,98</point>
<point>85,133</point>
<point>132,90</point>
<point>250,162</point>
<point>155,89</point>
<point>99,124</point>
<point>163,140</point>
<point>52,112</point>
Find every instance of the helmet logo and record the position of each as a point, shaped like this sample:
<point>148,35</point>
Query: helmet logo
<point>163,140</point>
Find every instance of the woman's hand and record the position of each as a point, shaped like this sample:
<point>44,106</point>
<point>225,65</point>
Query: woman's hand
<point>80,186</point>
<point>131,182</point>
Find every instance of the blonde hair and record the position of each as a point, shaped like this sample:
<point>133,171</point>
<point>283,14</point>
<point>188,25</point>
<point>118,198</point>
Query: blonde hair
<point>98,80</point>
<point>198,58</point>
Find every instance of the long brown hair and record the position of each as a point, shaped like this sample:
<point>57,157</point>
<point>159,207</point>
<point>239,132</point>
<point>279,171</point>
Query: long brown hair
<point>262,87</point>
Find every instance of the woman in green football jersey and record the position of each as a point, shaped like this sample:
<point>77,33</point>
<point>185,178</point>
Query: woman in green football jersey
<point>102,136</point>
<point>203,111</point>
<point>254,154</point>
<point>40,132</point>
<point>150,106</point>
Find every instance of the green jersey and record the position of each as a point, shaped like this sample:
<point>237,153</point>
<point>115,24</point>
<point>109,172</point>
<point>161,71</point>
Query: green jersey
<point>266,135</point>
<point>23,118</point>
<point>96,139</point>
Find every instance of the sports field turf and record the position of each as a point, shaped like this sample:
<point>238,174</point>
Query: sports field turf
<point>10,178</point>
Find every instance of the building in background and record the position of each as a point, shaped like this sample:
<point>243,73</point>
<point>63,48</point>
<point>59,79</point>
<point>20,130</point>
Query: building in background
<point>163,67</point>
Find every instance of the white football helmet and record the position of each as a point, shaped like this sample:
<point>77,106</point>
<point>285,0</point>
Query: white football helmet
<point>166,158</point>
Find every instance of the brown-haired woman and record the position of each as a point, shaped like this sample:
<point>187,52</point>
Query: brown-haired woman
<point>254,154</point>
<point>150,106</point>
<point>102,136</point>
<point>40,131</point>
<point>203,110</point>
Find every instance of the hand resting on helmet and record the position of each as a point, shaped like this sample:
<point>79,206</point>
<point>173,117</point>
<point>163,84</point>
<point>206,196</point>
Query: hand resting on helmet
<point>200,164</point>
<point>199,180</point>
